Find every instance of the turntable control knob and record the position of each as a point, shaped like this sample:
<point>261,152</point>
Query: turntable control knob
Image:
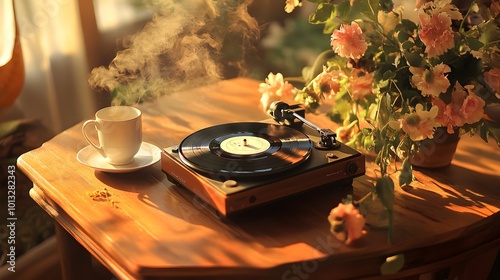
<point>351,168</point>
<point>175,149</point>
<point>230,183</point>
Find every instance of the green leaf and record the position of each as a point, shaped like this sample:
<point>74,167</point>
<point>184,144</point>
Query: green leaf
<point>361,9</point>
<point>7,128</point>
<point>406,175</point>
<point>490,33</point>
<point>343,10</point>
<point>486,131</point>
<point>385,110</point>
<point>407,45</point>
<point>409,25</point>
<point>386,5</point>
<point>414,59</point>
<point>317,68</point>
<point>388,75</point>
<point>392,264</point>
<point>389,48</point>
<point>474,43</point>
<point>323,13</point>
<point>385,191</point>
<point>384,84</point>
<point>371,112</point>
<point>377,141</point>
<point>341,111</point>
<point>330,26</point>
<point>403,36</point>
<point>495,133</point>
<point>367,142</point>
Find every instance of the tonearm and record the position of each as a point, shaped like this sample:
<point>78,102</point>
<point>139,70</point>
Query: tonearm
<point>294,115</point>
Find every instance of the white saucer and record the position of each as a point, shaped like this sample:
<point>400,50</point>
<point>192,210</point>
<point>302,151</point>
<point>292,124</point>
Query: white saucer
<point>148,155</point>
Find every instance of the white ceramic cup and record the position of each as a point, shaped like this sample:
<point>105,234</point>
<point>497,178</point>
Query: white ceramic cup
<point>119,133</point>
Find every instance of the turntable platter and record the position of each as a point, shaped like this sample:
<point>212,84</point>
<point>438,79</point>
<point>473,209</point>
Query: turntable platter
<point>244,149</point>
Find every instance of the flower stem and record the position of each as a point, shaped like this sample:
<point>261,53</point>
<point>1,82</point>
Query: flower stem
<point>295,79</point>
<point>365,197</point>
<point>317,66</point>
<point>461,28</point>
<point>390,235</point>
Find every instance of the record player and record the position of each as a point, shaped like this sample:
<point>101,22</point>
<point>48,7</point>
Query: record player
<point>236,166</point>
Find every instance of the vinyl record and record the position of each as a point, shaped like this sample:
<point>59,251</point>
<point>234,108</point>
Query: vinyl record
<point>244,149</point>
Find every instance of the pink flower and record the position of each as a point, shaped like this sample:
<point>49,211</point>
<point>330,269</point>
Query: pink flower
<point>495,9</point>
<point>492,78</point>
<point>436,33</point>
<point>473,107</point>
<point>445,6</point>
<point>453,117</point>
<point>348,41</point>
<point>420,124</point>
<point>465,107</point>
<point>448,114</point>
<point>347,133</point>
<point>431,82</point>
<point>290,5</point>
<point>361,84</point>
<point>346,223</point>
<point>327,82</point>
<point>273,89</point>
<point>419,3</point>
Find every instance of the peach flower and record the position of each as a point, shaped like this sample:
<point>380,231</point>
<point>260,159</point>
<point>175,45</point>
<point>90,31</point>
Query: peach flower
<point>431,82</point>
<point>446,6</point>
<point>327,82</point>
<point>436,33</point>
<point>420,124</point>
<point>473,107</point>
<point>448,114</point>
<point>273,89</point>
<point>346,223</point>
<point>420,3</point>
<point>290,5</point>
<point>492,78</point>
<point>348,41</point>
<point>495,9</point>
<point>361,84</point>
<point>347,133</point>
<point>465,107</point>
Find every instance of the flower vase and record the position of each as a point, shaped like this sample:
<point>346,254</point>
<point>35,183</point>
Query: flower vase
<point>376,214</point>
<point>437,152</point>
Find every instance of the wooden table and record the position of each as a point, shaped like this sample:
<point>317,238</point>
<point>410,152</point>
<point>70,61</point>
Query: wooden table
<point>449,217</point>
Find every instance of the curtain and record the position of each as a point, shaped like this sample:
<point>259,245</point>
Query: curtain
<point>11,59</point>
<point>62,41</point>
<point>55,90</point>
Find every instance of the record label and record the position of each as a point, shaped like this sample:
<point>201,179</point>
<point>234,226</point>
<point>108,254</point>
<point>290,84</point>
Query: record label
<point>244,149</point>
<point>245,145</point>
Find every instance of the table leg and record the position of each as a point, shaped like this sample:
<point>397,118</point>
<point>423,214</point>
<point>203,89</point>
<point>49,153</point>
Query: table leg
<point>75,260</point>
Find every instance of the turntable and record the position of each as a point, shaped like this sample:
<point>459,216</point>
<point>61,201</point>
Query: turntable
<point>236,166</point>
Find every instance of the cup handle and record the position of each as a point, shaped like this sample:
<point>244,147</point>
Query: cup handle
<point>84,127</point>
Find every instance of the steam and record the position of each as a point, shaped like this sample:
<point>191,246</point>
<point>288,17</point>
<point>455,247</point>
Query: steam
<point>187,43</point>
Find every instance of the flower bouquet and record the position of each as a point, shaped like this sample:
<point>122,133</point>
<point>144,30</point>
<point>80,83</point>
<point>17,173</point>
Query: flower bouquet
<point>396,75</point>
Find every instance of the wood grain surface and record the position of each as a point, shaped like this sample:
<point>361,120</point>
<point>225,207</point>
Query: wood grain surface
<point>151,228</point>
